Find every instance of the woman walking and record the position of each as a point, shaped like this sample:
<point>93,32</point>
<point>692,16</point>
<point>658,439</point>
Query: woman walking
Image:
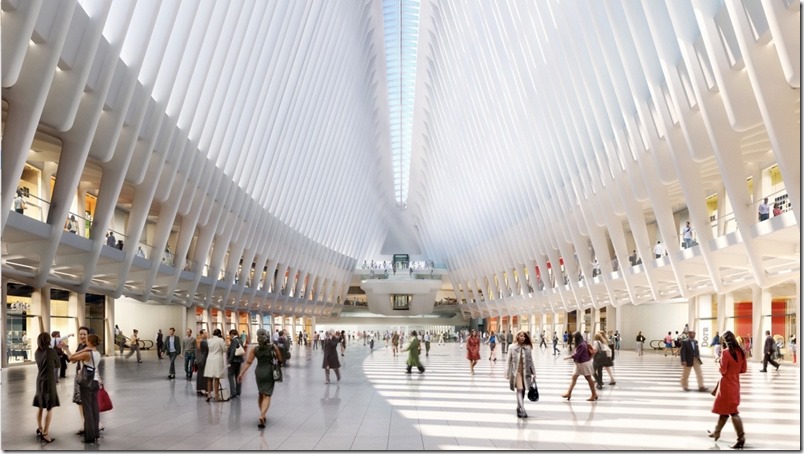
<point>264,353</point>
<point>716,346</point>
<point>215,368</point>
<point>520,371</point>
<point>492,345</point>
<point>414,348</point>
<point>330,348</point>
<point>602,360</point>
<point>90,359</point>
<point>47,395</point>
<point>201,364</point>
<point>473,351</point>
<point>583,366</point>
<point>727,398</point>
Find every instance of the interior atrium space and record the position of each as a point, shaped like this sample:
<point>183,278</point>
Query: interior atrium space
<point>295,184</point>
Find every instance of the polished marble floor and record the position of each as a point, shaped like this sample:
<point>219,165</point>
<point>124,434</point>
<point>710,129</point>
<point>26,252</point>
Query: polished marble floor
<point>378,407</point>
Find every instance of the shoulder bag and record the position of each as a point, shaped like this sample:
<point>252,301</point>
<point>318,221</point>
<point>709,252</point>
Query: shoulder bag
<point>276,364</point>
<point>87,373</point>
<point>239,351</point>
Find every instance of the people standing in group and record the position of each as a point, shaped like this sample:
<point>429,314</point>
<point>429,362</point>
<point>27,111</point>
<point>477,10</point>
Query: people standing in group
<point>90,359</point>
<point>767,351</point>
<point>134,346</point>
<point>716,346</point>
<point>413,349</point>
<point>473,350</point>
<point>640,344</point>
<point>215,368</point>
<point>172,348</point>
<point>47,395</point>
<point>426,344</point>
<point>556,351</point>
<point>727,398</point>
<point>763,211</point>
<point>603,359</point>
<point>160,343</point>
<point>691,359</point>
<point>395,343</point>
<point>492,346</point>
<point>268,356</point>
<point>235,362</point>
<point>520,371</point>
<point>583,367</point>
<point>330,347</point>
<point>202,351</point>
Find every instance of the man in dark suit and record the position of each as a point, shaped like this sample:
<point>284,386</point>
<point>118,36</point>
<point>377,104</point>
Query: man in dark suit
<point>768,351</point>
<point>172,346</point>
<point>691,359</point>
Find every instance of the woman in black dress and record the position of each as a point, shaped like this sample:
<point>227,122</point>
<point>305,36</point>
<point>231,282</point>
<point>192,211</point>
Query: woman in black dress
<point>47,395</point>
<point>202,350</point>
<point>330,348</point>
<point>265,352</point>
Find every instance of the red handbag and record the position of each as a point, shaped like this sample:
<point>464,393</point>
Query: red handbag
<point>104,401</point>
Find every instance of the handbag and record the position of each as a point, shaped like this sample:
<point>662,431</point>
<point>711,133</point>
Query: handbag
<point>277,369</point>
<point>104,401</point>
<point>239,351</point>
<point>533,392</point>
<point>87,373</point>
<point>714,391</point>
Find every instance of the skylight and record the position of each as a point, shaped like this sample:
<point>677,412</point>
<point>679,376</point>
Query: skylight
<point>401,19</point>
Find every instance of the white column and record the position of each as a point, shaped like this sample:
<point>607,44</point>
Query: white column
<point>108,335</point>
<point>720,324</point>
<point>40,304</point>
<point>692,314</point>
<point>728,312</point>
<point>4,319</point>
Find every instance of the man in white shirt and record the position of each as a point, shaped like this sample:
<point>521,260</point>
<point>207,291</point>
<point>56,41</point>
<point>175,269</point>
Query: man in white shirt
<point>687,235</point>
<point>659,251</point>
<point>764,210</point>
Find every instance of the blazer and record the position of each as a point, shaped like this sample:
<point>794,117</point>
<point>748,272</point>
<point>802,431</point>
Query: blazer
<point>690,352</point>
<point>176,343</point>
<point>770,345</point>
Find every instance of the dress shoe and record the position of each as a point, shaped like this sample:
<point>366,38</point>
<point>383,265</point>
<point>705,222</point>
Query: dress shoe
<point>777,367</point>
<point>762,370</point>
<point>703,389</point>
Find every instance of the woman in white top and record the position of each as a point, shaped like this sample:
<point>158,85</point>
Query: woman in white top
<point>215,367</point>
<point>90,359</point>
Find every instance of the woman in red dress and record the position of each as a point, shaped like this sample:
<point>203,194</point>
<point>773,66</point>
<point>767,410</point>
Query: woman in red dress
<point>727,399</point>
<point>473,350</point>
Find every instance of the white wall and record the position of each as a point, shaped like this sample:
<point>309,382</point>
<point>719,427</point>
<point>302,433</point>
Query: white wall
<point>654,320</point>
<point>131,314</point>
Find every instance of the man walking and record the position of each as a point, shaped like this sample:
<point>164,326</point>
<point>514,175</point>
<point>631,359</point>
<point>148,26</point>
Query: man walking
<point>768,351</point>
<point>172,347</point>
<point>160,343</point>
<point>134,346</point>
<point>691,359</point>
<point>188,345</point>
<point>504,343</point>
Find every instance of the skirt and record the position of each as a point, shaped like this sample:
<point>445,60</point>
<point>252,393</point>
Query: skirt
<point>584,368</point>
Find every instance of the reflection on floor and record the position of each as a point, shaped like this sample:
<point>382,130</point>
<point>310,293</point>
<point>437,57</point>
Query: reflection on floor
<point>378,407</point>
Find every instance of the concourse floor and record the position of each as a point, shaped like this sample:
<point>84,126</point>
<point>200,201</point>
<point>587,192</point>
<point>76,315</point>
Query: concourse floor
<point>376,406</point>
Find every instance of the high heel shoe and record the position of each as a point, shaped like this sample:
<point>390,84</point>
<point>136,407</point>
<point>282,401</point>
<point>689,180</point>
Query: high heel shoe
<point>566,396</point>
<point>47,438</point>
<point>715,434</point>
<point>261,423</point>
<point>740,442</point>
<point>593,398</point>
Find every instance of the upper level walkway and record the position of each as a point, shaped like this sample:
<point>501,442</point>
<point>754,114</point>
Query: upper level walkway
<point>378,407</point>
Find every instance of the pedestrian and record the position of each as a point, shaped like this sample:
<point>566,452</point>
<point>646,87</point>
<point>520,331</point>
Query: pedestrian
<point>202,351</point>
<point>473,350</point>
<point>492,346</point>
<point>792,345</point>
<point>542,343</point>
<point>343,343</point>
<point>90,359</point>
<point>716,346</point>
<point>659,250</point>
<point>764,210</point>
<point>569,341</point>
<point>188,347</point>
<point>691,359</point>
<point>617,339</point>
<point>668,343</point>
<point>582,358</point>
<point>602,360</point>
<point>134,346</point>
<point>395,343</point>
<point>727,396</point>
<point>426,344</point>
<point>687,235</point>
<point>111,241</point>
<point>172,347</point>
<point>768,351</point>
<point>640,343</point>
<point>159,343</point>
<point>19,207</point>
<point>330,347</point>
<point>215,369</point>
<point>83,332</point>
<point>268,357</point>
<point>235,362</point>
<point>413,349</point>
<point>556,351</point>
<point>520,371</point>
<point>777,209</point>
<point>47,395</point>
